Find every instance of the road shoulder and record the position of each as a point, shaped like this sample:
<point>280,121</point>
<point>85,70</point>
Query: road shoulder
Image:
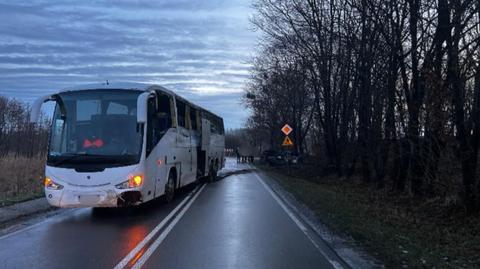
<point>344,247</point>
<point>19,215</point>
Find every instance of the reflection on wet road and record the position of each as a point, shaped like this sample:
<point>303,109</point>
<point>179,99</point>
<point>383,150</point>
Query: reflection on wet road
<point>235,222</point>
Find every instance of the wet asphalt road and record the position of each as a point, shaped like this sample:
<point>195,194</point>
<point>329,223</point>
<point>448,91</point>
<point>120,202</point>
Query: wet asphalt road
<point>233,223</point>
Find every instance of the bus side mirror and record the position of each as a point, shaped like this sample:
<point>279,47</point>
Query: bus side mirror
<point>142,106</point>
<point>37,106</point>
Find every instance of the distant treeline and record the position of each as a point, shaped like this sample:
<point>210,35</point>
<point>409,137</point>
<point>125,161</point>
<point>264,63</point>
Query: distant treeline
<point>19,138</point>
<point>386,88</point>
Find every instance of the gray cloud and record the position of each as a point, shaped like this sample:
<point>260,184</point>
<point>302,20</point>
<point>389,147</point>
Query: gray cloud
<point>196,48</point>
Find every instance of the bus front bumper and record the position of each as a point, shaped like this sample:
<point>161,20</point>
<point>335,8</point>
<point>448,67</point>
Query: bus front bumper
<point>66,198</point>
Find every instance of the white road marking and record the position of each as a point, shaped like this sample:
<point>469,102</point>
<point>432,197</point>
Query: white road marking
<point>295,219</point>
<point>157,228</point>
<point>164,234</point>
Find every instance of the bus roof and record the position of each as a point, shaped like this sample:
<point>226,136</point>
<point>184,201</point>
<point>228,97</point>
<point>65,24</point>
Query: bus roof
<point>114,85</point>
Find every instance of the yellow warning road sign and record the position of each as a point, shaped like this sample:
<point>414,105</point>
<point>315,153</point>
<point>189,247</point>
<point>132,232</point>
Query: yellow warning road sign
<point>287,141</point>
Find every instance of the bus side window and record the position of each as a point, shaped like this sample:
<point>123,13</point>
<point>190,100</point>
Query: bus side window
<point>153,128</point>
<point>188,120</point>
<point>181,114</point>
<point>213,128</point>
<point>222,127</point>
<point>193,118</point>
<point>219,126</point>
<point>216,126</point>
<point>199,120</point>
<point>213,124</point>
<point>164,114</point>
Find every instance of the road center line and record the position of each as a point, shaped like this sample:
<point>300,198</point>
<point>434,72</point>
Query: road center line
<point>149,237</point>
<point>164,234</point>
<point>295,219</point>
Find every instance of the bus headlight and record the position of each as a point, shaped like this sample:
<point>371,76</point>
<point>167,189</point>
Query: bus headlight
<point>132,182</point>
<point>49,184</point>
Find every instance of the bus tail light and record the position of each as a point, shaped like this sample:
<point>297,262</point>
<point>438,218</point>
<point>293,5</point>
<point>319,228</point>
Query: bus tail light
<point>49,184</point>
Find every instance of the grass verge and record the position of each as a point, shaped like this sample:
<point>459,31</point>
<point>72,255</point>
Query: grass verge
<point>398,230</point>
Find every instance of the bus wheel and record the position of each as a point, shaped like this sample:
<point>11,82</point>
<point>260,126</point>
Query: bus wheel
<point>212,174</point>
<point>170,188</point>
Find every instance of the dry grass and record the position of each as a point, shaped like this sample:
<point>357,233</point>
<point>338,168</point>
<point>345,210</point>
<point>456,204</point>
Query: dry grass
<point>21,178</point>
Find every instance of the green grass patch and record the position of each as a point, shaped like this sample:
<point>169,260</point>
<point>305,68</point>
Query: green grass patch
<point>398,230</point>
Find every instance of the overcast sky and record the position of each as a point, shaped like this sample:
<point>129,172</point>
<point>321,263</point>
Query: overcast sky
<point>199,49</point>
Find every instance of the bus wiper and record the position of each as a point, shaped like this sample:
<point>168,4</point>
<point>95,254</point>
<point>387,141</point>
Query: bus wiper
<point>64,158</point>
<point>89,154</point>
<point>71,156</point>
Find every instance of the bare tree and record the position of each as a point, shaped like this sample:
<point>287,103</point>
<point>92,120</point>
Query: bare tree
<point>385,82</point>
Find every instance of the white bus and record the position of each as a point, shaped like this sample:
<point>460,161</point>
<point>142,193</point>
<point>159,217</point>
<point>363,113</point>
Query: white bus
<point>115,145</point>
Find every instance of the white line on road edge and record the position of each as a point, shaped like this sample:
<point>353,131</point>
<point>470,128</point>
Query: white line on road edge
<point>164,234</point>
<point>140,245</point>
<point>300,225</point>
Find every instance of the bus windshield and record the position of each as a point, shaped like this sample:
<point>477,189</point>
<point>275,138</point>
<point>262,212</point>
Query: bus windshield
<point>95,126</point>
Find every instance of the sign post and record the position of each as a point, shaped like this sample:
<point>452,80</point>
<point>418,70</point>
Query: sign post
<point>287,142</point>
